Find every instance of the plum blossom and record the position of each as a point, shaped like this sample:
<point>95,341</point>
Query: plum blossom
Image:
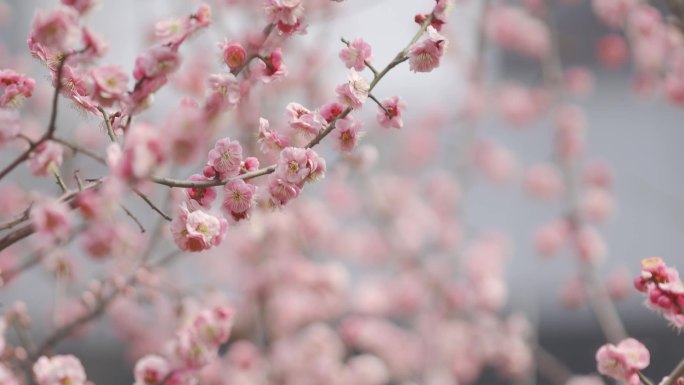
<point>271,67</point>
<point>306,123</point>
<point>59,370</point>
<point>56,30</point>
<point>82,6</point>
<point>51,219</point>
<point>348,133</point>
<point>426,55</point>
<point>48,154</point>
<point>234,54</point>
<point>298,165</point>
<point>15,87</point>
<point>144,151</point>
<point>622,362</point>
<point>286,14</point>
<point>663,288</point>
<point>238,198</point>
<point>269,140</point>
<point>226,157</point>
<point>356,54</point>
<point>157,61</point>
<point>197,230</point>
<point>204,196</point>
<point>355,92</point>
<point>151,370</point>
<point>110,83</point>
<point>390,114</point>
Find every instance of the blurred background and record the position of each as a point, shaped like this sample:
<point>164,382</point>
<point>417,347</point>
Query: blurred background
<point>639,137</point>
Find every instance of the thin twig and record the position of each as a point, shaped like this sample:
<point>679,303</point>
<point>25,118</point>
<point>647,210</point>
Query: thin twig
<point>133,217</point>
<point>380,104</point>
<point>152,205</point>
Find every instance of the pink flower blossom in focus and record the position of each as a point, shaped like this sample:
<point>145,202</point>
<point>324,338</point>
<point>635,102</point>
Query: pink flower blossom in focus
<point>426,55</point>
<point>356,54</point>
<point>355,92</point>
<point>238,198</point>
<point>347,133</point>
<point>226,157</point>
<point>204,196</point>
<point>197,230</point>
<point>269,140</point>
<point>234,55</point>
<point>622,362</point>
<point>390,116</point>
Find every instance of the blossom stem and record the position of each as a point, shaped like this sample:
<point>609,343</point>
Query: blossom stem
<point>133,217</point>
<point>60,182</point>
<point>379,104</point>
<point>644,380</point>
<point>152,205</point>
<point>365,62</point>
<point>108,124</point>
<point>52,125</point>
<point>677,373</point>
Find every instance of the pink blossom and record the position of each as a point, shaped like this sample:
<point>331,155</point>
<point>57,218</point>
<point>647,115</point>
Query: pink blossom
<point>306,123</point>
<point>356,54</point>
<point>442,9</point>
<point>110,83</point>
<point>143,153</point>
<point>190,352</point>
<point>570,127</point>
<point>51,219</point>
<point>284,13</point>
<point>56,30</point>
<point>213,326</point>
<point>426,55</point>
<point>47,155</point>
<point>226,157</point>
<point>348,133</point>
<point>269,140</point>
<point>298,165</point>
<point>9,125</point>
<point>204,196</point>
<point>619,283</point>
<point>331,111</point>
<point>151,370</point>
<point>157,61</point>
<point>15,87</point>
<point>515,29</point>
<point>234,55</point>
<point>354,93</point>
<point>281,191</point>
<point>59,370</point>
<point>390,116</point>
<point>238,198</point>
<point>271,67</point>
<point>543,181</point>
<point>494,161</point>
<point>663,288</point>
<point>622,362</point>
<point>197,230</point>
<point>224,93</point>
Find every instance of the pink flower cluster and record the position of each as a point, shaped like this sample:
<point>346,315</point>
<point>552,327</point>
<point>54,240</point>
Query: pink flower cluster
<point>194,347</point>
<point>294,167</point>
<point>426,55</point>
<point>14,87</point>
<point>663,288</point>
<point>623,362</point>
<point>356,54</point>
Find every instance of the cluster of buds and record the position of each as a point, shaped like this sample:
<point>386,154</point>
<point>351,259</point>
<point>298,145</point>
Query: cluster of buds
<point>663,288</point>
